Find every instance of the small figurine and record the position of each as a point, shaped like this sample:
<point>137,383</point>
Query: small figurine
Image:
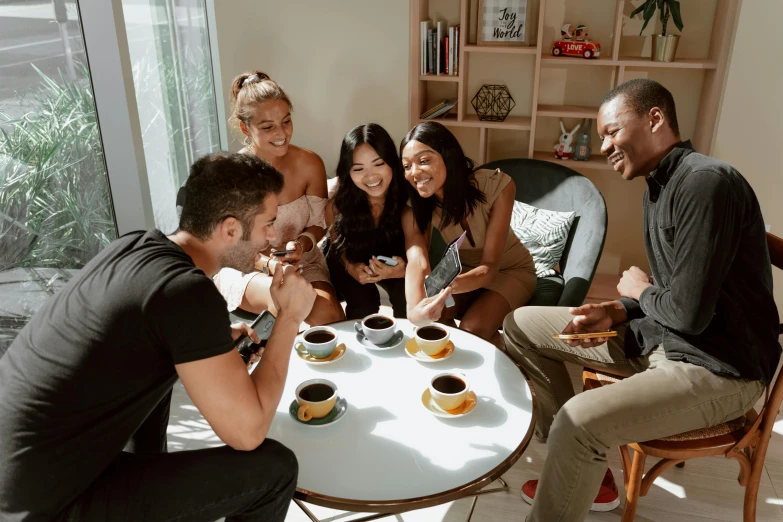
<point>575,42</point>
<point>582,150</point>
<point>581,33</point>
<point>563,149</point>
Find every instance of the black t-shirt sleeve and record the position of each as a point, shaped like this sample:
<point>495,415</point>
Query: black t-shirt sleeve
<point>189,317</point>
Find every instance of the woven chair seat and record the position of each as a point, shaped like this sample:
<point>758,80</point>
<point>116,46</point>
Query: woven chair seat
<point>701,433</point>
<point>706,433</point>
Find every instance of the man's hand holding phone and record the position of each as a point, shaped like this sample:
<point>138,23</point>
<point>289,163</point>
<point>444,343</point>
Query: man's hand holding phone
<point>589,318</point>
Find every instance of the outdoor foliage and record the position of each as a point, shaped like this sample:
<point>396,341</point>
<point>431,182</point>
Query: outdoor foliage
<point>54,200</point>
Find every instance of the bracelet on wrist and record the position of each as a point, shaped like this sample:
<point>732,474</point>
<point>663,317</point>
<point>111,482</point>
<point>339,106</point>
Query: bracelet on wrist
<point>310,237</point>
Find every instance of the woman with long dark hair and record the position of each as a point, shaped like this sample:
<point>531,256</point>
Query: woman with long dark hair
<point>446,192</point>
<point>365,216</point>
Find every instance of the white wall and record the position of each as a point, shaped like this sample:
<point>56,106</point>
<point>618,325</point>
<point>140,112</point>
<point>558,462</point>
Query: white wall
<point>342,63</point>
<point>750,128</point>
<point>345,62</point>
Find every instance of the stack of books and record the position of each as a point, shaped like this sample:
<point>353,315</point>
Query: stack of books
<point>440,109</point>
<point>439,48</point>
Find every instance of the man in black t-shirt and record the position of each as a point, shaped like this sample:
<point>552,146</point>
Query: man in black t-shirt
<point>98,357</point>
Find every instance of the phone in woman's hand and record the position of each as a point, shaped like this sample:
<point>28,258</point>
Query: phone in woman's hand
<point>587,335</point>
<point>388,261</point>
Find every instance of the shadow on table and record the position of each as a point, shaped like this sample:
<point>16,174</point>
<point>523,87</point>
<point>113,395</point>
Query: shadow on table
<point>352,362</point>
<point>487,414</point>
<point>417,473</point>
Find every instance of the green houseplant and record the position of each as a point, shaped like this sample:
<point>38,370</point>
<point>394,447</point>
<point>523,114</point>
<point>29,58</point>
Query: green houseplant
<point>664,45</point>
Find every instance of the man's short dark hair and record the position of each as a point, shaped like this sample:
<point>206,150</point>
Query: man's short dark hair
<point>642,95</point>
<point>226,184</point>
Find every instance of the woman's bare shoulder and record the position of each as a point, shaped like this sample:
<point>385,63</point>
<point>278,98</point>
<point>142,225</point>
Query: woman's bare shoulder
<point>307,161</point>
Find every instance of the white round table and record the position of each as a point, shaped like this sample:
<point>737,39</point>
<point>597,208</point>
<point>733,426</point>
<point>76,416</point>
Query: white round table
<point>388,453</point>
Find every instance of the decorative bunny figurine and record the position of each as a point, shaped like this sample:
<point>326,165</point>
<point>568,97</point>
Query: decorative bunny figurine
<point>563,150</point>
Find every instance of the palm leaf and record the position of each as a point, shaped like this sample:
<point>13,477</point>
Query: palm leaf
<point>674,7</point>
<point>640,8</point>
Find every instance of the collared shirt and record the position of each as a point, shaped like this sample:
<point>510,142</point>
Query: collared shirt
<point>711,303</point>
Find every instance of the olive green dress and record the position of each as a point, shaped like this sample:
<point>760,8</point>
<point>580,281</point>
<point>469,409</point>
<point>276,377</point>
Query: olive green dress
<point>516,280</point>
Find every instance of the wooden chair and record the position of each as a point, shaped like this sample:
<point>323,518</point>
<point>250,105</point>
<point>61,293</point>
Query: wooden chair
<point>745,439</point>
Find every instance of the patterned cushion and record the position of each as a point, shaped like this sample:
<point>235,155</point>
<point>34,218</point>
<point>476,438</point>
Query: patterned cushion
<point>543,232</point>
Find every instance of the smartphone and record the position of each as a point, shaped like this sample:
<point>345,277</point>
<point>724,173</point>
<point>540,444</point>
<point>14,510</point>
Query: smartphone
<point>388,261</point>
<point>263,327</point>
<point>281,253</point>
<point>591,335</point>
<point>446,271</point>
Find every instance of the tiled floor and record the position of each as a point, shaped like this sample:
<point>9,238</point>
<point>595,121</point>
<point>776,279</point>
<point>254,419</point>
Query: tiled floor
<point>706,489</point>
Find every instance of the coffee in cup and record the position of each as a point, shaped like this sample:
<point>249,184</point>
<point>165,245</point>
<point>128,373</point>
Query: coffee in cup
<point>316,399</point>
<point>431,339</point>
<point>449,390</point>
<point>319,342</point>
<point>377,328</point>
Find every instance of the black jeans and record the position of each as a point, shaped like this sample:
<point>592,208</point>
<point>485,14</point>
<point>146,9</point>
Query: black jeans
<point>144,483</point>
<point>363,300</point>
<point>192,486</point>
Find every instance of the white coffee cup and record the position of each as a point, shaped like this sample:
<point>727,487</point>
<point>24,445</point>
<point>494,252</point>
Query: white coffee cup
<point>377,333</point>
<point>449,390</point>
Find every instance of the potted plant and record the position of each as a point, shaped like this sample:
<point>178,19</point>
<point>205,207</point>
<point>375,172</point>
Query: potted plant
<point>664,45</point>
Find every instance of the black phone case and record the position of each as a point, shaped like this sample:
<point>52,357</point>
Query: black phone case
<point>445,272</point>
<point>263,327</point>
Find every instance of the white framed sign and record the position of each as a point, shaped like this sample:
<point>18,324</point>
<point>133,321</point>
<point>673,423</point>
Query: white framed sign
<point>503,22</point>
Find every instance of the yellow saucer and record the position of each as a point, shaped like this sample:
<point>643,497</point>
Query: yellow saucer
<point>338,352</point>
<point>466,407</point>
<point>412,349</point>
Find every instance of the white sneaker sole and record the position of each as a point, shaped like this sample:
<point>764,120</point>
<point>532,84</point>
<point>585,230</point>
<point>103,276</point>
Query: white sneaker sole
<point>609,506</point>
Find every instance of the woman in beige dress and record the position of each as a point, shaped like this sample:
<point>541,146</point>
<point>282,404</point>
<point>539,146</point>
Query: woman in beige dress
<point>498,272</point>
<point>262,112</point>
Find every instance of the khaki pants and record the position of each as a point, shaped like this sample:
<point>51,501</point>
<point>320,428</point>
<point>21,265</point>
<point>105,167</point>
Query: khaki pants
<point>660,398</point>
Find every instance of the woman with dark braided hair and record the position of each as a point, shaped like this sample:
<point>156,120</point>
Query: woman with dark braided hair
<point>365,216</point>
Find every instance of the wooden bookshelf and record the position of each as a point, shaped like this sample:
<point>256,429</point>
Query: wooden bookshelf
<point>596,161</point>
<point>713,67</point>
<point>500,49</point>
<point>520,123</point>
<point>567,111</point>
<point>438,78</point>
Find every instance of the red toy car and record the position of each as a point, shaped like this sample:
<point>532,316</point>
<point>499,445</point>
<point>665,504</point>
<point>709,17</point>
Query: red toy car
<point>575,48</point>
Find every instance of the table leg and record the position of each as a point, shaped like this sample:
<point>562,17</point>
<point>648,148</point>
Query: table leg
<point>503,487</point>
<point>363,519</point>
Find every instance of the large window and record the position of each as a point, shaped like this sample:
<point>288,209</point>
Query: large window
<point>55,208</point>
<point>172,73</point>
<point>56,204</point>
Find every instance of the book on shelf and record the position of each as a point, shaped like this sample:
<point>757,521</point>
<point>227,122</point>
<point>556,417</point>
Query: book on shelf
<point>456,51</point>
<point>441,54</point>
<point>439,48</point>
<point>440,109</point>
<point>430,53</point>
<point>425,26</point>
<point>450,47</point>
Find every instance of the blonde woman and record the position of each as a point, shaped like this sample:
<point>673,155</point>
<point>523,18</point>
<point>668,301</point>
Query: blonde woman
<point>262,113</point>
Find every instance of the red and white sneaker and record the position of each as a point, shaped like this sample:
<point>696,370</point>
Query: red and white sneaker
<point>607,499</point>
